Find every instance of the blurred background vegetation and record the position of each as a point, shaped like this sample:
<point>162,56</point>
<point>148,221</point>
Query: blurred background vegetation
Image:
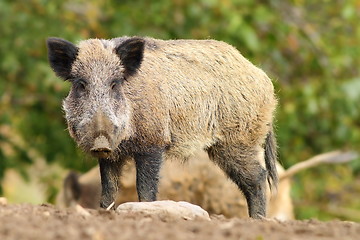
<point>310,49</point>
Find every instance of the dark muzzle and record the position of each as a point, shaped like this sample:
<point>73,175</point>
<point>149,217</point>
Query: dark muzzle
<point>101,147</point>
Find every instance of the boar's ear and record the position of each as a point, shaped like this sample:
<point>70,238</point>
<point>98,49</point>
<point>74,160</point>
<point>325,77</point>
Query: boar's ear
<point>61,54</point>
<point>131,54</point>
<point>72,187</point>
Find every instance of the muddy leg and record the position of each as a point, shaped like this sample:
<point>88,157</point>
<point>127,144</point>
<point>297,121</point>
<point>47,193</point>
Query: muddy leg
<point>147,175</point>
<point>243,168</point>
<point>110,173</point>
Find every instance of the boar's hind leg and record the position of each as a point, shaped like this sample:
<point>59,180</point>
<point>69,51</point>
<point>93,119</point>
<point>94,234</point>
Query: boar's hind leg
<point>110,173</point>
<point>242,167</point>
<point>147,174</point>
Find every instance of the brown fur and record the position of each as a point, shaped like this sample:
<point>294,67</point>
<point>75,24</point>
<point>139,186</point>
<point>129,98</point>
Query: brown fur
<point>212,94</point>
<point>154,99</point>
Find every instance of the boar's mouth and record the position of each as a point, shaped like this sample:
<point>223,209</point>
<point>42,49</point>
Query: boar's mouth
<point>101,147</point>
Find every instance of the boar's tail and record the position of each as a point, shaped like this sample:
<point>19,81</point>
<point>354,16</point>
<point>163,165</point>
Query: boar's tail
<point>270,159</point>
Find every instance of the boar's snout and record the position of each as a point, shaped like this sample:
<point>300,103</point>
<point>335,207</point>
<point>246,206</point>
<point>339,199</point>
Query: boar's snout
<point>103,132</point>
<point>101,147</point>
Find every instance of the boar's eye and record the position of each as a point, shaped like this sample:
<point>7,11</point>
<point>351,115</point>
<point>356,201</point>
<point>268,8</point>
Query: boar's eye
<point>115,83</point>
<point>80,85</point>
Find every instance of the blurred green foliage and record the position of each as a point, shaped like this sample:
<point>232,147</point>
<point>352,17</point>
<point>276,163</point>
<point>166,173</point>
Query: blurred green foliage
<point>310,48</point>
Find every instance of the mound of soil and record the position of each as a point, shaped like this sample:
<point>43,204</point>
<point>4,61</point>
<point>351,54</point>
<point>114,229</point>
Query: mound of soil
<point>25,221</point>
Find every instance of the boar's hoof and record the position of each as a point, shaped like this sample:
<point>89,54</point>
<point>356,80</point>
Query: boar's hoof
<point>101,147</point>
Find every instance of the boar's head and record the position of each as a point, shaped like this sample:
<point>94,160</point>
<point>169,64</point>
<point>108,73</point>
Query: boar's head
<point>97,111</point>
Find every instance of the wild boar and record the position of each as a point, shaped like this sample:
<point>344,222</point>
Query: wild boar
<point>147,99</point>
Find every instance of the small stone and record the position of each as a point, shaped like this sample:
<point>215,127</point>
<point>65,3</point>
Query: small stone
<point>46,213</point>
<point>3,201</point>
<point>82,211</point>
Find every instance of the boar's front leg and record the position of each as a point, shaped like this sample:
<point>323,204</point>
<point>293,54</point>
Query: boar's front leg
<point>147,174</point>
<point>110,173</point>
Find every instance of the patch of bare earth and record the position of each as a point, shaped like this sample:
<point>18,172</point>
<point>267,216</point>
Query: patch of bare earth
<point>26,221</point>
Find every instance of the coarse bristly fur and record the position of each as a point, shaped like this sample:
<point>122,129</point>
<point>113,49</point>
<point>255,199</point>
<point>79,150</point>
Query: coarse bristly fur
<point>150,99</point>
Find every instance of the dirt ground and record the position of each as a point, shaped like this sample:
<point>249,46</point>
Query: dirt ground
<point>26,221</point>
